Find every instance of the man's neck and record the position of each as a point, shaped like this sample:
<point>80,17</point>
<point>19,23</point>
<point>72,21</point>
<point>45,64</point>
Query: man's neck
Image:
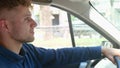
<point>11,45</point>
<point>15,48</point>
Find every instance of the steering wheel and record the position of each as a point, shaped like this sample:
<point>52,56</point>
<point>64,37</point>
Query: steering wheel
<point>91,64</point>
<point>117,60</point>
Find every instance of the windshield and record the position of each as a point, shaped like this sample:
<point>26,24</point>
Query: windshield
<point>109,9</point>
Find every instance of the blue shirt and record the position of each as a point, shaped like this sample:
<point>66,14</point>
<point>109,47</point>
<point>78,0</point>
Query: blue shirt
<point>33,57</point>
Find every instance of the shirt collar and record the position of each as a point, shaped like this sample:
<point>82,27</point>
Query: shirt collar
<point>11,55</point>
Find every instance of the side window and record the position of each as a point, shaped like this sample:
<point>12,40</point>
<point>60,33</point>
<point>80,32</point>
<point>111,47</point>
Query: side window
<point>53,30</point>
<point>85,36</point>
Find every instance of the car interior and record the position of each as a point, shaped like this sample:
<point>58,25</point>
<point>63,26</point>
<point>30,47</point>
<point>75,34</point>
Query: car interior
<point>72,22</point>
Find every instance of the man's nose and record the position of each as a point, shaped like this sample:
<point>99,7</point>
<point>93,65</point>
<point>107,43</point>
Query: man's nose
<point>34,24</point>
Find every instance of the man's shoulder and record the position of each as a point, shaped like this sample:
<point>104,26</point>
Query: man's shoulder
<point>28,46</point>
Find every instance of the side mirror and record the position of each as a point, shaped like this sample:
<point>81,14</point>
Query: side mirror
<point>107,44</point>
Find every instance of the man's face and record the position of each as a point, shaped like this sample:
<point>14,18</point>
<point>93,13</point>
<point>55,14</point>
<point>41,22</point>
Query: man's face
<point>20,25</point>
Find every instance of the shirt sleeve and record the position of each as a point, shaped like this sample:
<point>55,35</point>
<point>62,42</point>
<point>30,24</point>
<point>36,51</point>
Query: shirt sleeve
<point>69,55</point>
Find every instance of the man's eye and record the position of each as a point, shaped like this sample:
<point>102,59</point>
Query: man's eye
<point>27,19</point>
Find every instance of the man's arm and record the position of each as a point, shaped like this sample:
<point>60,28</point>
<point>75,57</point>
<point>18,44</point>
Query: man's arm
<point>69,55</point>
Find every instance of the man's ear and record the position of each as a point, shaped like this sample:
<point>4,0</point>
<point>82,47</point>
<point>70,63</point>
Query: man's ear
<point>3,26</point>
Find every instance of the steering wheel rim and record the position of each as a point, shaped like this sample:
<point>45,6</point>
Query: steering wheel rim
<point>117,60</point>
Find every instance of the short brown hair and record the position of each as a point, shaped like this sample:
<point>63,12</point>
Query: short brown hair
<point>10,4</point>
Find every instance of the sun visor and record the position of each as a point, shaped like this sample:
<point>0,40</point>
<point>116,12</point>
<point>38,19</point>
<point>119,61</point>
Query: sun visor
<point>42,2</point>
